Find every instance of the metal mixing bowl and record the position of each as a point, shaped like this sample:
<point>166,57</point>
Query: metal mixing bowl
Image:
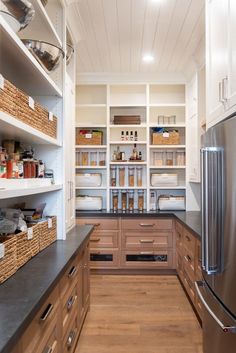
<point>22,10</point>
<point>48,55</point>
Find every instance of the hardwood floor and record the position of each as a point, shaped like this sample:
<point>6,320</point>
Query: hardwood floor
<point>139,314</point>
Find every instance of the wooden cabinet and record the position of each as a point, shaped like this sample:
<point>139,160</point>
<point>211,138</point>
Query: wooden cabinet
<point>57,325</point>
<point>220,59</point>
<point>188,262</point>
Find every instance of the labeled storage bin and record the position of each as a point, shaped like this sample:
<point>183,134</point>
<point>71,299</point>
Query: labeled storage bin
<point>89,203</point>
<point>46,121</point>
<point>171,203</point>
<point>88,180</point>
<point>87,137</point>
<point>27,244</point>
<point>8,97</point>
<point>166,138</point>
<point>26,111</point>
<point>8,261</point>
<point>47,232</point>
<point>164,179</point>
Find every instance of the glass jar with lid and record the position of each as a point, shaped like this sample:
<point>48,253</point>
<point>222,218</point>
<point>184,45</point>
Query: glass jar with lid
<point>131,176</point>
<point>124,200</point>
<point>85,158</point>
<point>113,176</point>
<point>158,158</point>
<point>140,200</point>
<point>169,158</point>
<point>122,176</point>
<point>102,158</point>
<point>115,200</point>
<point>139,176</point>
<point>180,157</point>
<point>153,201</point>
<point>131,200</point>
<point>93,158</point>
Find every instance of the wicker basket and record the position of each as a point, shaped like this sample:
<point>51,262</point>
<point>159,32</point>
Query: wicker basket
<point>44,124</point>
<point>48,232</point>
<point>24,112</point>
<point>8,98</point>
<point>27,244</point>
<point>172,138</point>
<point>8,263</point>
<point>95,139</point>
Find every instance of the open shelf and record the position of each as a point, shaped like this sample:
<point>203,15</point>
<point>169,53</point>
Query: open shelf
<point>80,105</point>
<point>128,187</point>
<point>168,125</point>
<point>90,167</point>
<point>128,126</point>
<point>12,128</point>
<point>128,163</point>
<point>167,187</point>
<point>17,192</point>
<point>91,147</point>
<point>167,167</point>
<point>128,142</point>
<point>167,146</point>
<point>18,63</point>
<point>91,188</point>
<point>91,126</point>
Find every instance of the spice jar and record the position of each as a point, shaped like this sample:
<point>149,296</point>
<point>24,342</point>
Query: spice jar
<point>122,176</point>
<point>131,176</point>
<point>113,176</point>
<point>27,169</point>
<point>115,200</point>
<point>84,158</point>
<point>93,158</point>
<point>139,176</point>
<point>123,200</point>
<point>131,200</point>
<point>140,200</point>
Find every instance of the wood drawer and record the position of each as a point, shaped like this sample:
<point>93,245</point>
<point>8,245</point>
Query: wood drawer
<point>147,223</point>
<point>145,239</point>
<point>188,265</point>
<point>179,228</point>
<point>198,260</point>
<point>69,278</point>
<point>104,239</point>
<point>100,223</point>
<point>104,258</point>
<point>179,264</point>
<point>51,341</point>
<point>189,286</point>
<point>70,305</point>
<point>42,324</point>
<point>189,242</point>
<point>198,305</point>
<point>147,259</point>
<point>71,336</point>
<point>179,237</point>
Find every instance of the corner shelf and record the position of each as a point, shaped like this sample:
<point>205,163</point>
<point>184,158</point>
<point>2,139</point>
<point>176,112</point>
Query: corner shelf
<point>14,192</point>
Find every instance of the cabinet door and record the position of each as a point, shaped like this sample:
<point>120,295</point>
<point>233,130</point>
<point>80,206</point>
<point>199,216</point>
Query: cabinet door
<point>232,54</point>
<point>216,55</point>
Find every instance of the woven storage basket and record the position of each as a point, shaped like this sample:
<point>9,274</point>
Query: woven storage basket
<point>160,139</point>
<point>47,235</point>
<point>27,244</point>
<point>93,140</point>
<point>8,98</point>
<point>24,112</point>
<point>8,263</point>
<point>44,124</point>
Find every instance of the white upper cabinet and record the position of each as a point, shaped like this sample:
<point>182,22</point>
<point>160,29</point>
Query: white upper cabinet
<point>220,59</point>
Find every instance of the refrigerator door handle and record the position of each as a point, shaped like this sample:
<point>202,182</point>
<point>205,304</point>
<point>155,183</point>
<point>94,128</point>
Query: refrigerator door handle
<point>224,327</point>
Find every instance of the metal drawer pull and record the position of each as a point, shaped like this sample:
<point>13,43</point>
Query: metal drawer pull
<point>70,339</point>
<point>146,224</point>
<point>188,258</point>
<point>95,240</point>
<point>47,350</point>
<point>146,252</point>
<point>47,312</point>
<point>146,241</point>
<point>72,271</point>
<point>71,302</point>
<point>93,224</point>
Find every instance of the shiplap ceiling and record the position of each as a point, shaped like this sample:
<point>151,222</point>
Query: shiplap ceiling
<point>115,34</point>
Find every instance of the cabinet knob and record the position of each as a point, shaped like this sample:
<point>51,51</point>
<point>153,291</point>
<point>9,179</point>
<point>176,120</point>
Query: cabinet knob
<point>70,339</point>
<point>47,350</point>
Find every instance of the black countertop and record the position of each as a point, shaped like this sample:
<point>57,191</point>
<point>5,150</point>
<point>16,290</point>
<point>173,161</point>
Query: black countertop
<point>22,295</point>
<point>191,219</point>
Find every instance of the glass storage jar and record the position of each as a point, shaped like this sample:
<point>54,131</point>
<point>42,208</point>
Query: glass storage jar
<point>122,176</point>
<point>180,157</point>
<point>93,158</point>
<point>131,176</point>
<point>140,200</point>
<point>102,158</point>
<point>169,158</point>
<point>153,201</point>
<point>131,200</point>
<point>124,200</point>
<point>115,200</point>
<point>85,158</point>
<point>113,176</point>
<point>139,176</point>
<point>158,158</point>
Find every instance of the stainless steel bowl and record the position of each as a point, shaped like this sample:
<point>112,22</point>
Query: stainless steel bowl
<point>69,52</point>
<point>48,55</point>
<point>11,20</point>
<point>22,10</point>
<point>44,2</point>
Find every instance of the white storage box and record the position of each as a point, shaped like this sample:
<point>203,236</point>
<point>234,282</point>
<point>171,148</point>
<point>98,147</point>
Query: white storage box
<point>89,203</point>
<point>165,179</point>
<point>171,203</point>
<point>88,180</point>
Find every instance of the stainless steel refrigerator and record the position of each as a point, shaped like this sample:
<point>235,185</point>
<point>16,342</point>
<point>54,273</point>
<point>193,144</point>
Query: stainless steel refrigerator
<point>217,291</point>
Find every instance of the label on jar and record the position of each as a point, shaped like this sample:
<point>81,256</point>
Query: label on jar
<point>1,82</point>
<point>31,103</point>
<point>50,116</point>
<point>88,136</point>
<point>30,233</point>
<point>2,251</point>
<point>166,134</point>
<point>49,223</point>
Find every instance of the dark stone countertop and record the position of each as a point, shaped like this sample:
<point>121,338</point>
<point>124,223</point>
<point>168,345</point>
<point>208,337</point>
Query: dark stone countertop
<point>22,295</point>
<point>191,219</point>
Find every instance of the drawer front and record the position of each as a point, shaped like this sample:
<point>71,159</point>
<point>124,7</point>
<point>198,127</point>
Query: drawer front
<point>100,223</point>
<point>103,258</point>
<point>69,307</point>
<point>188,265</point>
<point>189,285</point>
<point>69,278</point>
<point>50,343</point>
<point>42,323</point>
<point>147,224</point>
<point>71,336</point>
<point>145,239</point>
<point>198,262</point>
<point>147,259</point>
<point>179,264</point>
<point>198,306</point>
<point>179,237</point>
<point>179,228</point>
<point>189,242</point>
<point>104,239</point>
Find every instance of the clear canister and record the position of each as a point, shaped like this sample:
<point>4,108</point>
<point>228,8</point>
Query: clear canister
<point>122,176</point>
<point>153,201</point>
<point>169,158</point>
<point>102,158</point>
<point>139,176</point>
<point>93,158</point>
<point>180,157</point>
<point>158,158</point>
<point>131,176</point>
<point>113,176</point>
<point>172,119</point>
<point>115,200</point>
<point>131,200</point>
<point>140,200</point>
<point>85,159</point>
<point>123,200</point>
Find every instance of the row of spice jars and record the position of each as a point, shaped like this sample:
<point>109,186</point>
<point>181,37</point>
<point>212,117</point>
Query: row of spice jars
<point>92,158</point>
<point>118,176</point>
<point>127,200</point>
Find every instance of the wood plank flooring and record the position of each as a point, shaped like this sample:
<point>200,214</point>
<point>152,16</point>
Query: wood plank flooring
<point>139,314</point>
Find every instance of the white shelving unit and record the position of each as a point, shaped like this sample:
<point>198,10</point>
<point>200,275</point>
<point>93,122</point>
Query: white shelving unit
<point>99,103</point>
<point>20,67</point>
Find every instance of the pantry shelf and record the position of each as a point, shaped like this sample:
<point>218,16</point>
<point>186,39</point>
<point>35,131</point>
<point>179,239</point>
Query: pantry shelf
<point>127,126</point>
<point>168,105</point>
<point>167,167</point>
<point>90,188</point>
<point>91,126</point>
<point>15,192</point>
<point>128,187</point>
<point>128,142</point>
<point>90,167</point>
<point>80,105</point>
<point>91,146</point>
<point>128,163</point>
<point>12,128</point>
<point>167,125</point>
<point>167,187</point>
<point>167,146</point>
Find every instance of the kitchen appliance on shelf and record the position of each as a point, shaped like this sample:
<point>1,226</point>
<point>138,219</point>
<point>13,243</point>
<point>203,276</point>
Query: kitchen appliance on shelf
<point>217,291</point>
